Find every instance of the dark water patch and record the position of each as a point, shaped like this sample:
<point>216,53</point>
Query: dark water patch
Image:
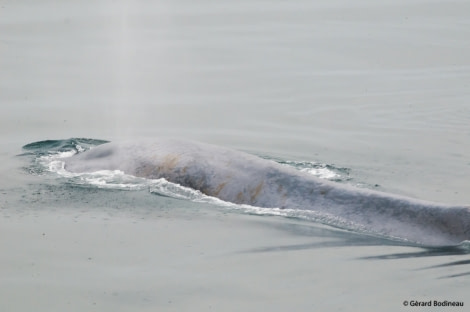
<point>455,275</point>
<point>68,198</point>
<point>329,238</point>
<point>326,237</point>
<point>68,195</point>
<point>48,147</point>
<point>317,245</point>
<point>426,252</point>
<point>38,151</point>
<point>449,264</point>
<point>445,252</point>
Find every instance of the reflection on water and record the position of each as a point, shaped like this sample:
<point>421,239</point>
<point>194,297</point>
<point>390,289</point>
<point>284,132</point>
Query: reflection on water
<point>427,252</point>
<point>433,252</point>
<point>335,238</point>
<point>453,263</point>
<point>143,204</point>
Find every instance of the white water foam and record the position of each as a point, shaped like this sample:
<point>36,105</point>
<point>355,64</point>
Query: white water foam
<point>323,173</point>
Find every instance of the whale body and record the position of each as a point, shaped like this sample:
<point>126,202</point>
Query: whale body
<point>243,178</point>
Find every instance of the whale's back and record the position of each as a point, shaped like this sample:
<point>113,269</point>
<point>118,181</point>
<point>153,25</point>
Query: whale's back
<point>242,178</point>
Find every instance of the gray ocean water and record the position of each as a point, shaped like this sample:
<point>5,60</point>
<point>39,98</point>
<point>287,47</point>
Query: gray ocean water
<point>377,90</point>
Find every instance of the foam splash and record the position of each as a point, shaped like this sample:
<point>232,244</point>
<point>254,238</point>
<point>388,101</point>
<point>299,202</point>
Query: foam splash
<point>46,155</point>
<point>318,169</point>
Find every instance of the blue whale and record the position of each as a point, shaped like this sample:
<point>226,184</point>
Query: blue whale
<point>242,178</point>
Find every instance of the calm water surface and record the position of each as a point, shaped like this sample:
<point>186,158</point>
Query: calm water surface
<point>380,88</point>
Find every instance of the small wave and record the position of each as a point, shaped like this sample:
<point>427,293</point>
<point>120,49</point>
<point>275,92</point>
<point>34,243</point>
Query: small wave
<point>318,169</point>
<point>49,147</point>
<point>321,170</point>
<point>46,154</point>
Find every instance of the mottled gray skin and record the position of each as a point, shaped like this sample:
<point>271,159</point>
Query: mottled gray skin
<point>241,178</point>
